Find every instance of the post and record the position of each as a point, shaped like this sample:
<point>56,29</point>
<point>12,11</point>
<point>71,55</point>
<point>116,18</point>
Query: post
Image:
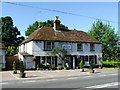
<point>73,62</point>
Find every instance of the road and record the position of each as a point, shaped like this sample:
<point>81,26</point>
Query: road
<point>97,80</point>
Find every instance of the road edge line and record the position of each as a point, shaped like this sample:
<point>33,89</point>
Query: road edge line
<point>14,75</point>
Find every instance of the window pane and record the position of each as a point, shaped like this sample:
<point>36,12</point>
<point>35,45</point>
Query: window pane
<point>49,45</point>
<point>79,46</point>
<point>92,47</point>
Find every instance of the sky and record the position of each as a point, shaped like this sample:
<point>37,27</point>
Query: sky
<point>87,13</point>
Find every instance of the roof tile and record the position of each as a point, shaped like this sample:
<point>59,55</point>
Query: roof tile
<point>48,33</point>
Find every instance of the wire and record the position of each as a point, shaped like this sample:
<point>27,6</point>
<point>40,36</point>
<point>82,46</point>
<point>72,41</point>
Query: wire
<point>59,11</point>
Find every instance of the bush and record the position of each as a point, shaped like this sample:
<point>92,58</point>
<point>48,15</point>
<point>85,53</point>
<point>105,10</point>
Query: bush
<point>110,64</point>
<point>22,68</point>
<point>81,64</point>
<point>91,64</point>
<point>14,66</point>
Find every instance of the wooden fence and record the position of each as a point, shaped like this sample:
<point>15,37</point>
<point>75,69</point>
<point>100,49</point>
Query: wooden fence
<point>9,62</point>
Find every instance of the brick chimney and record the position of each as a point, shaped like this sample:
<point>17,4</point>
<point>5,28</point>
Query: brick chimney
<point>56,23</point>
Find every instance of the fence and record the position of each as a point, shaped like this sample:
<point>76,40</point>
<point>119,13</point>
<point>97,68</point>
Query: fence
<point>9,62</point>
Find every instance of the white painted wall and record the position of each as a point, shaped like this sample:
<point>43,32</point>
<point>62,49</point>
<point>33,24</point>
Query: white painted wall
<point>29,47</point>
<point>36,48</point>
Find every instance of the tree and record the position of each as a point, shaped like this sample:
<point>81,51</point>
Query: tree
<point>60,52</point>
<point>11,50</point>
<point>105,33</point>
<point>48,23</point>
<point>10,34</point>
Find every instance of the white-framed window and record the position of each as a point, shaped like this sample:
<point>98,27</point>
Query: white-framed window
<point>79,47</point>
<point>92,47</point>
<point>48,45</point>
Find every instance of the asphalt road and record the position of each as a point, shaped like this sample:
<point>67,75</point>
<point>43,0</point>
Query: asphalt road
<point>97,80</point>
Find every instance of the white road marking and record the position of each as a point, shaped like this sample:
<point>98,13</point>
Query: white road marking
<point>3,83</point>
<point>104,85</point>
<point>14,75</point>
<point>103,75</point>
<point>28,81</point>
<point>114,74</point>
<point>52,80</point>
<point>87,76</point>
<point>73,78</point>
<point>51,76</point>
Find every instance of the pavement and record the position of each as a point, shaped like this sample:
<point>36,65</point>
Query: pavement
<point>38,74</point>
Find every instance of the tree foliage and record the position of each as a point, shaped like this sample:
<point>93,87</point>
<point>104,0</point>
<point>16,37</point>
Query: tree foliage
<point>48,23</point>
<point>11,50</point>
<point>60,52</point>
<point>105,33</point>
<point>10,34</point>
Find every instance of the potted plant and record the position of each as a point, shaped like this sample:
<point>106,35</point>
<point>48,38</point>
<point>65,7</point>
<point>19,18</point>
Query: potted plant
<point>22,69</point>
<point>14,68</point>
<point>65,67</point>
<point>91,67</point>
<point>53,67</point>
<point>81,66</point>
<point>100,62</point>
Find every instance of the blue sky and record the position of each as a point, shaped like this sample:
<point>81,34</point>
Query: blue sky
<point>25,16</point>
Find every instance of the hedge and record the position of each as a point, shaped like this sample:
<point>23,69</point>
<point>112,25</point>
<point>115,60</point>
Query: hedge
<point>111,63</point>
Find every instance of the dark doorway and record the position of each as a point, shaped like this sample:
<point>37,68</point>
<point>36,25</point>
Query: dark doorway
<point>37,62</point>
<point>71,59</point>
<point>55,61</point>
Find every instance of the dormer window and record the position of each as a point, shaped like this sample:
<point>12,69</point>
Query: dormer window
<point>48,45</point>
<point>92,47</point>
<point>79,47</point>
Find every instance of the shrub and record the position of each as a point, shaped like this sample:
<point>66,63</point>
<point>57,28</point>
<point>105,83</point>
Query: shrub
<point>22,68</point>
<point>14,66</point>
<point>111,63</point>
<point>91,64</point>
<point>81,64</point>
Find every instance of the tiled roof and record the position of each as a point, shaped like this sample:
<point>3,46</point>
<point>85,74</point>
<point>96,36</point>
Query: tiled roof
<point>2,46</point>
<point>48,33</point>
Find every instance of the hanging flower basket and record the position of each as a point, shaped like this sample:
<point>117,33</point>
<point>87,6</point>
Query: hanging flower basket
<point>99,58</point>
<point>33,58</point>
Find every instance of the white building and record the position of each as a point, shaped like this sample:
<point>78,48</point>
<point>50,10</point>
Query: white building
<point>2,55</point>
<point>44,39</point>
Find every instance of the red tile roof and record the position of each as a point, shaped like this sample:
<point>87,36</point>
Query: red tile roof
<point>48,33</point>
